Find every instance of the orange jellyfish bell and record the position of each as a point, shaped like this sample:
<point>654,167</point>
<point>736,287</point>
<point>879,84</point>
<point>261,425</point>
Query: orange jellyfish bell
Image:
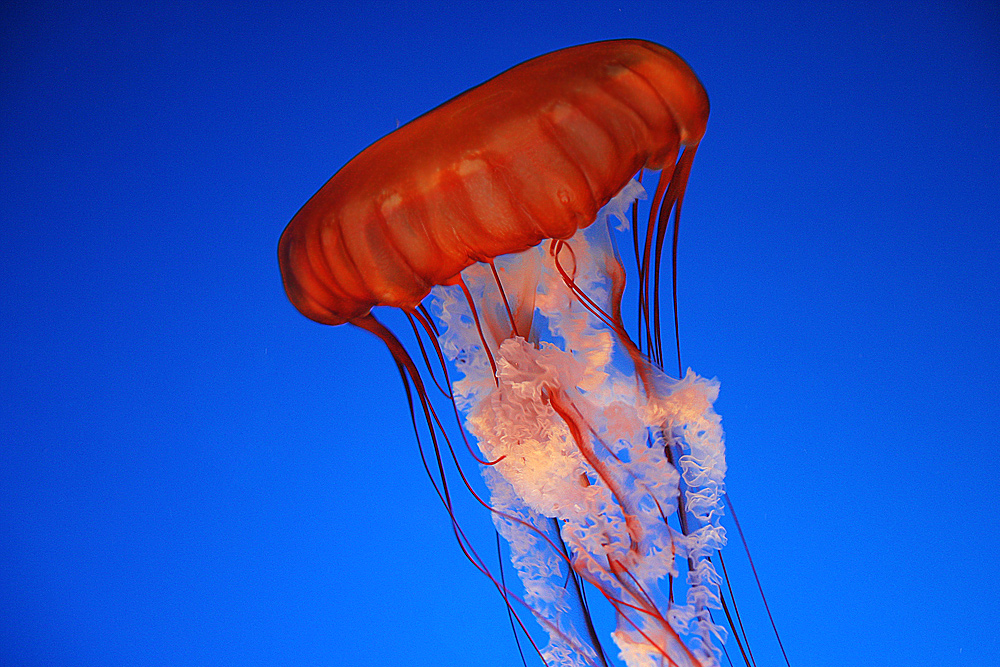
<point>502,204</point>
<point>531,154</point>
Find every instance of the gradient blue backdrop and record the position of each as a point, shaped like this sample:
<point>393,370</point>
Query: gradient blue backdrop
<point>191,473</point>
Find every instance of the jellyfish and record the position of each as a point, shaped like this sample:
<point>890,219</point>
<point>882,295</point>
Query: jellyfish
<point>494,222</point>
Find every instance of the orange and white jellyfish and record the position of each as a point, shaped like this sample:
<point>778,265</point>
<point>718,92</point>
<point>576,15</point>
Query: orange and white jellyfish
<point>503,205</point>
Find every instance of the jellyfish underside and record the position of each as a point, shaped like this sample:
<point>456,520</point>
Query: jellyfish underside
<point>599,466</point>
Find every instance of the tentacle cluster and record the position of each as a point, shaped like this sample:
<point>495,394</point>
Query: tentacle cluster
<point>584,442</point>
